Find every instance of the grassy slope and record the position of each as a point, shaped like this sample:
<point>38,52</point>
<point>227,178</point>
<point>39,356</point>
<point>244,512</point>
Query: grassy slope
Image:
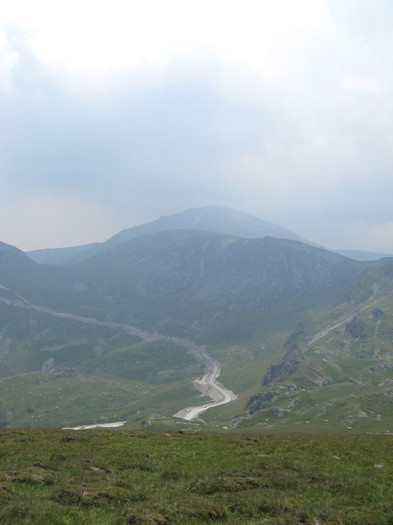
<point>236,296</point>
<point>98,374</point>
<point>101,477</point>
<point>344,380</point>
<point>122,378</point>
<point>101,375</point>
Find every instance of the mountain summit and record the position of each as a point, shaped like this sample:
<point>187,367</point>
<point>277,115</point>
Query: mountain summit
<point>217,219</point>
<point>126,333</point>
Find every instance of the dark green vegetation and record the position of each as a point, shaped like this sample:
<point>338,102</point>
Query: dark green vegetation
<point>205,286</point>
<point>304,335</point>
<point>73,373</point>
<point>139,477</point>
<point>335,375</point>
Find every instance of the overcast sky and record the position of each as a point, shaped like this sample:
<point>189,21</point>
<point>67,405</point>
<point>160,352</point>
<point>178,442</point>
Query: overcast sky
<point>114,113</point>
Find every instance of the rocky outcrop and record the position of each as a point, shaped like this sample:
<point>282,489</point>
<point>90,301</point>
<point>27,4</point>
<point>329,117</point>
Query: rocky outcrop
<point>356,329</point>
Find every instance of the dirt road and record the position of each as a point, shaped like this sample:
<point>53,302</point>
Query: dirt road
<point>207,384</point>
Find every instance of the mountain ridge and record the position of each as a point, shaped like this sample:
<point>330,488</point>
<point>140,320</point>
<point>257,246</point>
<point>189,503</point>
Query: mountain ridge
<point>214,218</point>
<point>256,305</point>
<point>188,277</point>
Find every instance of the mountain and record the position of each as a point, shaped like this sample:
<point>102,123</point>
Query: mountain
<point>336,372</point>
<point>113,336</point>
<point>196,283</point>
<point>363,256</point>
<point>63,255</point>
<point>303,335</point>
<point>12,259</point>
<point>216,219</point>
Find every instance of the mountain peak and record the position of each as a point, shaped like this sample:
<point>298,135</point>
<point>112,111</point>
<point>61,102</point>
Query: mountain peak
<point>214,218</point>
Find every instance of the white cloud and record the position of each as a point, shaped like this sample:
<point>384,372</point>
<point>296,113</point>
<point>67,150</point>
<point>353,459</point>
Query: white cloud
<point>138,109</point>
<point>105,35</point>
<point>7,59</point>
<point>366,85</point>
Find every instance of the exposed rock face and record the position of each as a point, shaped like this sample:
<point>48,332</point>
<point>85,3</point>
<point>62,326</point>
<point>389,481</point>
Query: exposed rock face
<point>377,313</point>
<point>284,369</point>
<point>259,401</point>
<point>49,364</point>
<point>357,329</point>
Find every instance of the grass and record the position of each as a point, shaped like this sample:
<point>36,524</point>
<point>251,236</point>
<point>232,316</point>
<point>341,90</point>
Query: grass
<point>144,477</point>
<point>56,373</point>
<point>344,382</point>
<point>97,375</point>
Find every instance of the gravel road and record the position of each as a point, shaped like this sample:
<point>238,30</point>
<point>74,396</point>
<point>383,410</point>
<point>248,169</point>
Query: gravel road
<point>219,394</point>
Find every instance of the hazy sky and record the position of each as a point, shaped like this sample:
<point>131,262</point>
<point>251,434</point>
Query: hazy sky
<point>113,113</point>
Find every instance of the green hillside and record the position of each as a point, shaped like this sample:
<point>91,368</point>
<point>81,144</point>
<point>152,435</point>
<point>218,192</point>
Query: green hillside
<point>209,287</point>
<point>302,335</point>
<point>337,370</point>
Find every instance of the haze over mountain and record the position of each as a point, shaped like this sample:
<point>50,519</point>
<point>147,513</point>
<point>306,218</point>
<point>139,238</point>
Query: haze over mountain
<point>362,255</point>
<point>282,108</point>
<point>211,218</point>
<point>202,279</point>
<point>112,335</point>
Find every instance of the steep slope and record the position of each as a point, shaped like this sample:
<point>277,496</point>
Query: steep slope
<point>337,370</point>
<point>198,284</point>
<point>57,369</point>
<point>13,261</point>
<point>65,355</point>
<point>209,285</point>
<point>41,283</point>
<point>19,271</point>
<point>211,218</point>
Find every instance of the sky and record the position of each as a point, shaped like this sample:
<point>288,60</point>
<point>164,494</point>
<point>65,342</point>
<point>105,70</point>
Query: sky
<point>114,113</point>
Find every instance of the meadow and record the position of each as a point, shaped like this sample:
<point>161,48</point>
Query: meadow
<point>160,477</point>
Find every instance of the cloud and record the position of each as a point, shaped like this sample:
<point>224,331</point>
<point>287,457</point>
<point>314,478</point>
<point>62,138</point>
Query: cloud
<point>101,36</point>
<point>302,138</point>
<point>7,60</point>
<point>368,85</point>
<point>60,219</point>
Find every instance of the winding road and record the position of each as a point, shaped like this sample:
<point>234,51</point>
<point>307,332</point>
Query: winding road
<point>206,384</point>
<point>100,425</point>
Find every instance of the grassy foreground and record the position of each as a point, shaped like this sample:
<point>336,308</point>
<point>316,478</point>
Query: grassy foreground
<point>145,477</point>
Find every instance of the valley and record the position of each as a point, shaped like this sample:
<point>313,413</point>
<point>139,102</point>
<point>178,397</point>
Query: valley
<point>142,329</point>
<point>206,383</point>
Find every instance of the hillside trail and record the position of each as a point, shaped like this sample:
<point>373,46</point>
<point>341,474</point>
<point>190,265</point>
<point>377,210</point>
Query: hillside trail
<point>206,384</point>
<point>347,319</point>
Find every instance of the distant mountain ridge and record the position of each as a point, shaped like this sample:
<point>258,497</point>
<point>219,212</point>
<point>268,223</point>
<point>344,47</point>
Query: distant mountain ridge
<point>13,260</point>
<point>206,279</point>
<point>180,281</point>
<point>361,255</point>
<point>207,286</point>
<point>289,322</point>
<point>217,219</point>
